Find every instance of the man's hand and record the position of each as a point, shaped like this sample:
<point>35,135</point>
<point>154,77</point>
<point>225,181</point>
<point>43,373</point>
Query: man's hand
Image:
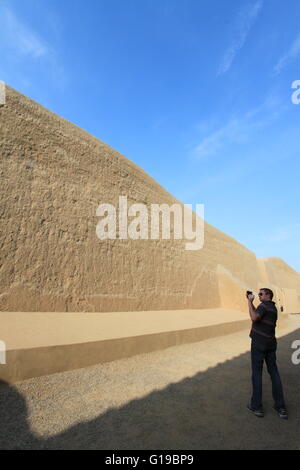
<point>251,297</point>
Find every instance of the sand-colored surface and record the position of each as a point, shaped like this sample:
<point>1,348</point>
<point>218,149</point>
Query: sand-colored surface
<point>54,175</point>
<point>44,343</point>
<point>22,330</point>
<point>190,396</point>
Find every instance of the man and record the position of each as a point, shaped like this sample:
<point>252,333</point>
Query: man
<point>263,347</point>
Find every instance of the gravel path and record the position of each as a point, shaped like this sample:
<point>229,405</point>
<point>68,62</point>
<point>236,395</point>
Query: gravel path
<point>191,396</point>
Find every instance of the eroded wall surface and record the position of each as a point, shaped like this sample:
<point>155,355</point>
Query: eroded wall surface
<point>53,177</point>
<point>285,282</point>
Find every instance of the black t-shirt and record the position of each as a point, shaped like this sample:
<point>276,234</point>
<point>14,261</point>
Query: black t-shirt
<point>263,330</point>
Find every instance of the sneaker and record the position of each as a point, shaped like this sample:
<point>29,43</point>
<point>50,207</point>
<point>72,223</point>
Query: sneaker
<point>259,412</point>
<point>282,412</point>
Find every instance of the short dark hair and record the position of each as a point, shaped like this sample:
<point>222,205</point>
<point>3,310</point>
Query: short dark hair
<point>268,292</point>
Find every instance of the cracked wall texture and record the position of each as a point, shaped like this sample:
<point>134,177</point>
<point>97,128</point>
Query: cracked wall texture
<point>53,177</point>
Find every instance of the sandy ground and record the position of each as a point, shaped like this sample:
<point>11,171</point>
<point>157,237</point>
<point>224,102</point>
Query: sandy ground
<point>191,396</point>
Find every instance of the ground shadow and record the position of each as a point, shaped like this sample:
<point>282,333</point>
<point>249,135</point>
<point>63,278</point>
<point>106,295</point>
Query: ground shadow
<point>206,411</point>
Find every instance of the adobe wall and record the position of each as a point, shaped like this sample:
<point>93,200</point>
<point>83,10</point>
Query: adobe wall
<point>54,175</point>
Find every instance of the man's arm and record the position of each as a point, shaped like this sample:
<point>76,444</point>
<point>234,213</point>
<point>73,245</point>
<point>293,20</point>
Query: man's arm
<point>253,315</point>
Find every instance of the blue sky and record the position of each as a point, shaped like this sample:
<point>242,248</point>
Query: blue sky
<point>196,92</point>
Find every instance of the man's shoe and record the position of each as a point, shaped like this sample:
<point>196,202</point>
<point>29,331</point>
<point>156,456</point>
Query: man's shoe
<point>259,412</point>
<point>282,412</point>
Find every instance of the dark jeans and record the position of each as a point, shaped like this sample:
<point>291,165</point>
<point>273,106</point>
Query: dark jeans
<point>260,353</point>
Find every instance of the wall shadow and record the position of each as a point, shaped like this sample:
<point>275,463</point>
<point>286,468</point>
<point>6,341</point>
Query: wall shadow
<point>206,411</point>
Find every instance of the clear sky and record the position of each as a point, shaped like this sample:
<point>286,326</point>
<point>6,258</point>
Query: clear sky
<point>196,92</point>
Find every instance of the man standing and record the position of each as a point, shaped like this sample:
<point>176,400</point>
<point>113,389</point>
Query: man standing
<point>263,347</point>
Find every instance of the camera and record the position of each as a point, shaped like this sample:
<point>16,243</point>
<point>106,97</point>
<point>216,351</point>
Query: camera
<point>249,292</point>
